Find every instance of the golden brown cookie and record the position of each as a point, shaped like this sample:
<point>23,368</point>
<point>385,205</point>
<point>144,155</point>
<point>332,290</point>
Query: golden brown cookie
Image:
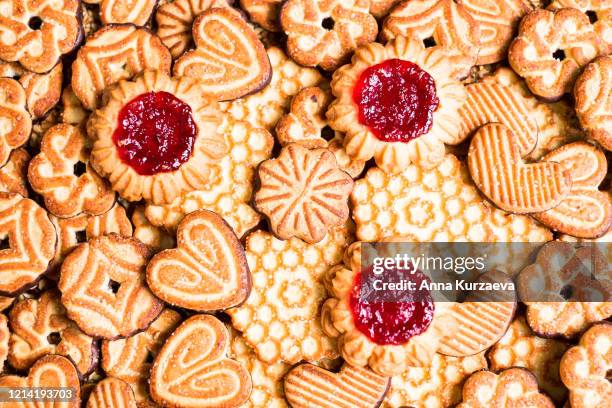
<point>130,153</point>
<point>15,121</point>
<point>28,243</point>
<point>598,11</point>
<point>192,369</point>
<point>14,174</point>
<point>380,8</point>
<point>127,11</point>
<point>111,393</point>
<point>6,302</point>
<point>551,48</point>
<point>103,287</point>
<point>114,53</point>
<point>263,12</point>
<point>149,234</point>
<point>72,110</point>
<point>207,271</point>
<point>4,340</point>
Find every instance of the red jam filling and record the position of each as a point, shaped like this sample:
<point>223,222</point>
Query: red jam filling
<point>155,133</point>
<point>396,100</point>
<point>391,322</point>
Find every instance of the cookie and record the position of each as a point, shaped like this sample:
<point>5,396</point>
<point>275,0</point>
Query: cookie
<point>111,393</point>
<point>598,11</point>
<point>380,8</point>
<point>48,372</point>
<point>192,369</point>
<point>72,110</point>
<point>37,35</point>
<point>28,243</point>
<point>229,60</point>
<point>130,359</point>
<point>40,327</point>
<point>41,127</point>
<point>586,212</point>
<point>104,290</point>
<point>14,174</point>
<point>303,193</point>
<point>551,48</point>
<point>436,386</point>
<point>520,347</point>
<point>126,11</point>
<point>62,175</point>
<point>280,319</point>
<point>129,152</point>
<point>147,233</point>
<point>498,170</point>
<point>263,12</point>
<point>6,302</point>
<point>4,340</point>
<point>565,289</point>
<point>593,96</point>
<point>309,386</point>
<point>16,123</point>
<point>115,53</point>
<point>584,368</point>
<point>512,387</point>
<point>372,87</point>
<point>207,271</point>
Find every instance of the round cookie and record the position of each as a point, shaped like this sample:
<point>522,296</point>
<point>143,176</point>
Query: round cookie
<point>111,393</point>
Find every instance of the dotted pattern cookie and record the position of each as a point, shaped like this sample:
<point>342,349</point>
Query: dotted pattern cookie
<point>127,11</point>
<point>263,12</point>
<point>598,11</point>
<point>15,121</point>
<point>149,234</point>
<point>280,319</point>
<point>14,174</point>
<point>110,393</point>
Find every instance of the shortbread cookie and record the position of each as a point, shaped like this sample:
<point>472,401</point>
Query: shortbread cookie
<point>593,95</point>
<point>192,369</point>
<point>40,327</point>
<point>130,359</point>
<point>4,340</point>
<point>309,386</point>
<point>14,174</point>
<point>147,233</point>
<point>566,289</point>
<point>37,34</point>
<point>551,48</point>
<point>498,170</point>
<point>207,271</point>
<point>264,12</point>
<point>115,53</point>
<point>371,91</point>
<point>598,11</point>
<point>129,152</point>
<point>111,393</point>
<point>72,110</point>
<point>436,386</point>
<point>520,347</point>
<point>103,287</point>
<point>28,243</point>
<point>585,368</point>
<point>229,60</point>
<point>126,11</point>
<point>15,121</point>
<point>62,175</point>
<point>280,318</point>
<point>49,372</point>
<point>513,387</point>
<point>303,193</point>
<point>586,212</point>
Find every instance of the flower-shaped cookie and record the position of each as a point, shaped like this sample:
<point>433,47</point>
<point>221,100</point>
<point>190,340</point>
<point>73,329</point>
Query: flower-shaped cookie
<point>397,103</point>
<point>303,193</point>
<point>598,11</point>
<point>14,174</point>
<point>15,121</point>
<point>324,33</point>
<point>156,137</point>
<point>38,33</point>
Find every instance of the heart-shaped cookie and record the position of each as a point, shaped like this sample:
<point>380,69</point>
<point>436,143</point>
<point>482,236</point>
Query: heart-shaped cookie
<point>229,58</point>
<point>192,369</point>
<point>309,386</point>
<point>207,271</point>
<point>498,170</point>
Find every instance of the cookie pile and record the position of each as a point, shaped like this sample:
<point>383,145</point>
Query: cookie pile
<point>185,187</point>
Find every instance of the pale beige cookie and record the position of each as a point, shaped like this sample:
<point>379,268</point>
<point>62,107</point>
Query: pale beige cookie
<point>72,110</point>
<point>264,12</point>
<point>137,12</point>
<point>40,326</point>
<point>130,359</point>
<point>103,287</point>
<point>4,340</point>
<point>14,174</point>
<point>303,193</point>
<point>593,95</point>
<point>436,386</point>
<point>114,53</point>
<point>551,48</point>
<point>149,234</point>
<point>111,393</point>
<point>585,368</point>
<point>28,243</point>
<point>280,318</point>
<point>599,13</point>
<point>15,121</point>
<point>520,347</point>
<point>62,175</point>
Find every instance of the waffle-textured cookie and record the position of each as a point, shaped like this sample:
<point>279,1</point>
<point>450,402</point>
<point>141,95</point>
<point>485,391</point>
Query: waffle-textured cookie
<point>126,11</point>
<point>149,234</point>
<point>192,368</point>
<point>16,123</point>
<point>28,239</point>
<point>14,174</point>
<point>598,11</point>
<point>585,368</point>
<point>4,340</point>
<point>103,287</point>
<point>130,359</point>
<point>263,12</point>
<point>111,393</point>
<point>280,318</point>
<point>124,46</point>
<point>520,347</point>
<point>37,33</point>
